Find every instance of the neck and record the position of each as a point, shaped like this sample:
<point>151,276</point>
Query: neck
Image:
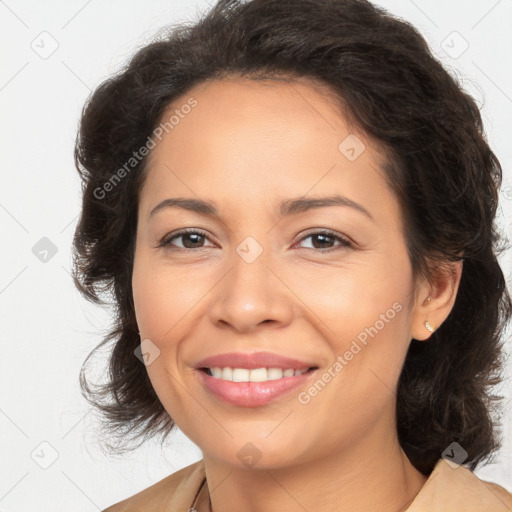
<point>376,476</point>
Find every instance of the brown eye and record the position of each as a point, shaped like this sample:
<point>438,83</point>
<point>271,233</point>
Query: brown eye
<point>190,239</point>
<point>323,240</point>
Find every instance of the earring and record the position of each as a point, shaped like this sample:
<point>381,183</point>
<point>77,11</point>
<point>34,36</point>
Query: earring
<point>429,327</point>
<point>427,323</point>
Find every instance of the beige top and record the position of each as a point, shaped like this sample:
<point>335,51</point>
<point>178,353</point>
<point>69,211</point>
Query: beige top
<point>446,490</point>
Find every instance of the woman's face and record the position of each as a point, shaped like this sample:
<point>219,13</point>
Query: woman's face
<point>260,277</point>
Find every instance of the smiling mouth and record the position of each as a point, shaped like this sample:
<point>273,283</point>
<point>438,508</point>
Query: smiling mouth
<point>253,374</point>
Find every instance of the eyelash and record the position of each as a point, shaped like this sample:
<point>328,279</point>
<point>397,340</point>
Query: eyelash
<point>344,243</point>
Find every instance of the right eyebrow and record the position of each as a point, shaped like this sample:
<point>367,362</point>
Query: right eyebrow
<point>194,205</point>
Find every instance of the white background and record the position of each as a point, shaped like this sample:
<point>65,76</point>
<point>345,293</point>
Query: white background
<point>47,328</point>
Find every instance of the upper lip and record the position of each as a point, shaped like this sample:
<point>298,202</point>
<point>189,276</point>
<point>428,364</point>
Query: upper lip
<point>254,360</point>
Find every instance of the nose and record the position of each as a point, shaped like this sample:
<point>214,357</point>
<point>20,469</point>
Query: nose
<point>251,295</point>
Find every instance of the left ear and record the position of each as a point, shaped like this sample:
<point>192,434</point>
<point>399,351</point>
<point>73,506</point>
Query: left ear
<point>442,290</point>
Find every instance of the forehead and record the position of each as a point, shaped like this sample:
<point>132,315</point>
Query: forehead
<point>251,140</point>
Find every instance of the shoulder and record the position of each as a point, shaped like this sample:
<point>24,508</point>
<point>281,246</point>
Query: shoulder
<point>175,492</point>
<point>452,487</point>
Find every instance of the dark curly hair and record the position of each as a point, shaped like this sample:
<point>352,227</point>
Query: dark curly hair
<point>445,176</point>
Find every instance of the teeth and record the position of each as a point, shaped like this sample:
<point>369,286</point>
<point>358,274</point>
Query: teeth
<point>240,375</point>
<point>253,375</point>
<point>256,375</point>
<point>274,373</point>
<point>227,373</point>
<point>216,372</point>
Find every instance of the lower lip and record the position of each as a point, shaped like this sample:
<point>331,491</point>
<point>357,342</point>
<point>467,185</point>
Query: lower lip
<point>252,394</point>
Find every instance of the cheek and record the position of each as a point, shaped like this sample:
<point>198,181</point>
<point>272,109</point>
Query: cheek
<point>163,296</point>
<point>364,313</point>
<point>349,300</point>
<point>161,300</point>
<point>149,297</point>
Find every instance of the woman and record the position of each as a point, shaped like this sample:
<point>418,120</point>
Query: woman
<point>293,206</point>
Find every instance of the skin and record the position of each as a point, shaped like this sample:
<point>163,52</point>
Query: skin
<point>246,146</point>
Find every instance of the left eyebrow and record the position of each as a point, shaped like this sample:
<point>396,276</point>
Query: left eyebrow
<point>302,204</point>
<point>287,207</point>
